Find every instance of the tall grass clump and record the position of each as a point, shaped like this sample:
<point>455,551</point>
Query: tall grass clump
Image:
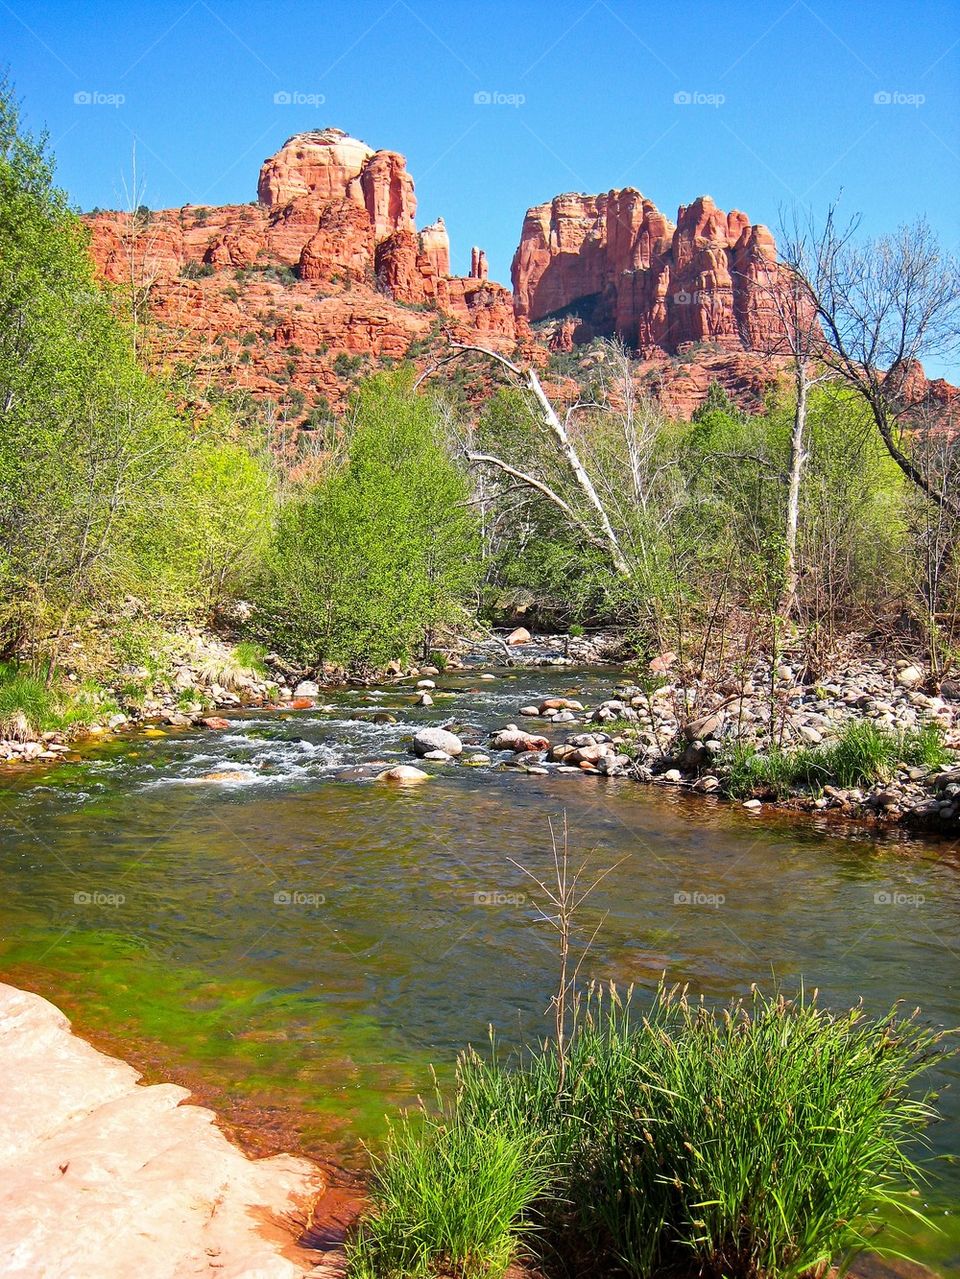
<point>450,1197</point>
<point>32,703</point>
<point>766,1138</point>
<point>26,704</point>
<point>863,754</point>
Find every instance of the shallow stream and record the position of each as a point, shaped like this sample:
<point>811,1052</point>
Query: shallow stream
<point>299,942</point>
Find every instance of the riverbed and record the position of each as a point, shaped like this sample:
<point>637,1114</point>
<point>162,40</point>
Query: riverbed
<point>299,942</point>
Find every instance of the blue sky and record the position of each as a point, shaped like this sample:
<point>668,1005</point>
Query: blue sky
<point>784,102</point>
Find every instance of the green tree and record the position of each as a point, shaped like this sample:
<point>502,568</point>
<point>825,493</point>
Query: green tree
<point>368,564</point>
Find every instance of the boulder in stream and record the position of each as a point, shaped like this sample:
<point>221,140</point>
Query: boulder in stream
<point>436,739</point>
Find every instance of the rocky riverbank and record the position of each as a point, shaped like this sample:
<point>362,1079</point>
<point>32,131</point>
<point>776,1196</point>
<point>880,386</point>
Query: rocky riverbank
<point>104,1177</point>
<point>754,734</point>
<point>751,738</point>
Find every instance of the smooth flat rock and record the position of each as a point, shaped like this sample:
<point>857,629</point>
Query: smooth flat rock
<point>104,1178</point>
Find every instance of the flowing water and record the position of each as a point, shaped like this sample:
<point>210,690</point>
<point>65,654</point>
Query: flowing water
<point>299,942</point>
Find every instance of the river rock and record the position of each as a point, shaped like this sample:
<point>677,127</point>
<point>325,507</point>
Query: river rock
<point>403,774</point>
<point>514,739</point>
<point>706,726</point>
<point>426,683</point>
<point>809,735</point>
<point>530,711</point>
<point>950,688</point>
<point>520,636</point>
<point>436,739</point>
<point>307,688</point>
<point>909,676</point>
<point>707,785</point>
<point>424,699</point>
<point>215,721</point>
<point>560,704</point>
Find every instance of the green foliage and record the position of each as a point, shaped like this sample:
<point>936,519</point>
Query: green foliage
<point>251,656</point>
<point>31,703</point>
<point>105,491</point>
<point>449,1197</point>
<point>864,754</point>
<point>369,562</point>
<point>347,365</point>
<point>768,1137</point>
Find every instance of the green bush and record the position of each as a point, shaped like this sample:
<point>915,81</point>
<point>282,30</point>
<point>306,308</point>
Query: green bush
<point>370,561</point>
<point>765,1138</point>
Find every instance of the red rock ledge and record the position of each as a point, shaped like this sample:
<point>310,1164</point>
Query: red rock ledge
<point>104,1178</point>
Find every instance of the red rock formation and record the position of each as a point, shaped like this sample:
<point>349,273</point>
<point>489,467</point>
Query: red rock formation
<point>478,264</point>
<point>343,244</point>
<point>323,164</point>
<point>328,261</point>
<point>623,268</point>
<point>388,193</point>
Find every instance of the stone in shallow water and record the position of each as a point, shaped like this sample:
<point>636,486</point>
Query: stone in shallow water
<point>436,739</point>
<point>403,774</point>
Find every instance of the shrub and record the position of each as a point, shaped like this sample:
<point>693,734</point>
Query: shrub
<point>764,1138</point>
<point>251,657</point>
<point>369,562</point>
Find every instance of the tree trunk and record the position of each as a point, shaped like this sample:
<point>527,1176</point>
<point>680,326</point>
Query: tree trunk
<point>798,458</point>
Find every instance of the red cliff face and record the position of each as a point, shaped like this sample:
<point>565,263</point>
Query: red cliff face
<point>327,262</point>
<point>621,267</point>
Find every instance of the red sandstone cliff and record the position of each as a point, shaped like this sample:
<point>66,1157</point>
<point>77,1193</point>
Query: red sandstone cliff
<point>325,277</point>
<point>328,262</point>
<point>623,268</point>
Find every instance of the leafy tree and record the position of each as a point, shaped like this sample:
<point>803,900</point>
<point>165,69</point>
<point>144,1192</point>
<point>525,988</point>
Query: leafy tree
<point>368,563</point>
